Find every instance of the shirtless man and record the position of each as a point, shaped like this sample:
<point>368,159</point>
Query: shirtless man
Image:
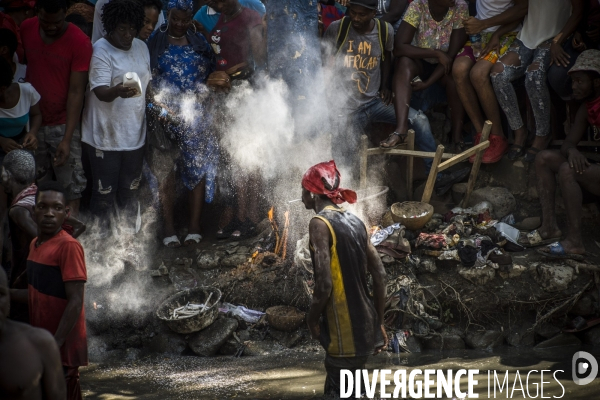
<point>30,362</point>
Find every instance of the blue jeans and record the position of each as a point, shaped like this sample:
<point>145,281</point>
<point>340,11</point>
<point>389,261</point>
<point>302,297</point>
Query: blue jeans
<point>352,127</point>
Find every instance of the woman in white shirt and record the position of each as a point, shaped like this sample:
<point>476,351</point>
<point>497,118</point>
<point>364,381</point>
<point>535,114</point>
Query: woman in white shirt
<point>548,24</point>
<point>114,123</point>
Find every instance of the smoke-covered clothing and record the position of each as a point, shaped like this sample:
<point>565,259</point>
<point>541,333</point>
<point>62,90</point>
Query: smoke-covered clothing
<point>350,128</point>
<point>117,125</point>
<point>535,84</point>
<point>358,63</point>
<point>349,323</point>
<point>158,43</point>
<point>231,40</point>
<point>116,175</point>
<point>181,73</point>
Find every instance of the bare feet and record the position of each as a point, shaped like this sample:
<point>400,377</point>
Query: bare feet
<point>572,248</point>
<point>548,233</point>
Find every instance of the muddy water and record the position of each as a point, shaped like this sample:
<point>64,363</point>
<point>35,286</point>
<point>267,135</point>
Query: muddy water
<point>299,374</point>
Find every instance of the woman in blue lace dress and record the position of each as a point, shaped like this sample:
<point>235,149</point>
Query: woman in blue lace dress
<point>181,61</point>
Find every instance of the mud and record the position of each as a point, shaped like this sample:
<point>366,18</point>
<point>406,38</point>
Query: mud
<point>299,373</point>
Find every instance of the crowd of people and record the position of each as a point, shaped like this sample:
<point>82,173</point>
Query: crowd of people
<point>98,97</point>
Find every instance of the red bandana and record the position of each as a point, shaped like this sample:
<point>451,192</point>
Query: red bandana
<point>324,178</point>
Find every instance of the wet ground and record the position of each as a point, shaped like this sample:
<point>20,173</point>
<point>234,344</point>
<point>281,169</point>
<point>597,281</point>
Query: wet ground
<point>299,374</point>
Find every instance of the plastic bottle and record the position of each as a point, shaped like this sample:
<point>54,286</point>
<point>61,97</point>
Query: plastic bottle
<point>131,79</point>
<point>476,44</point>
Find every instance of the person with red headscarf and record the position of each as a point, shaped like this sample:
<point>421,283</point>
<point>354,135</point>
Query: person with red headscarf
<point>14,12</point>
<point>343,316</point>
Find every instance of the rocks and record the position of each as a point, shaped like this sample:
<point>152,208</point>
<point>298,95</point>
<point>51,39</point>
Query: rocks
<point>167,342</point>
<point>501,199</point>
<point>386,259</point>
<point>288,339</point>
<point>520,336</point>
<point>208,341</point>
<point>233,260</point>
<point>97,349</point>
<point>562,340</point>
<point>230,347</point>
<point>478,276</point>
<point>208,260</point>
<point>186,262</point>
<point>451,342</point>
<point>515,271</point>
<point>529,224</point>
<point>484,340</point>
<point>427,265</point>
<point>132,354</point>
<point>592,336</point>
<point>458,191</point>
<point>162,270</point>
<point>547,330</point>
<point>553,278</point>
<point>254,348</point>
<point>584,306</point>
<point>413,344</point>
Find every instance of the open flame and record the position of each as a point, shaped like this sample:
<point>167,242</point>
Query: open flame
<point>281,248</point>
<point>280,240</point>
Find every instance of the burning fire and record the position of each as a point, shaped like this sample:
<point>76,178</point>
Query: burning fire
<point>280,241</point>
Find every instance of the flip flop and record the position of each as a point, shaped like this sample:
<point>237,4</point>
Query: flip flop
<point>172,241</point>
<point>531,154</point>
<point>558,252</point>
<point>228,231</point>
<point>534,239</point>
<point>192,237</point>
<point>516,151</point>
<point>402,137</point>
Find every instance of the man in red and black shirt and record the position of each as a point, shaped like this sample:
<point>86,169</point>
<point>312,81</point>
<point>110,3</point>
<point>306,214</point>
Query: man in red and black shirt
<point>57,274</point>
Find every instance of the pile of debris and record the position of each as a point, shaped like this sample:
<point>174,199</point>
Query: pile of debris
<point>464,279</point>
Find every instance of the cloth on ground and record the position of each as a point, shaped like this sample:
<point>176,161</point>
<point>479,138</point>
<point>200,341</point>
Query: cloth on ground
<point>433,241</point>
<point>381,234</point>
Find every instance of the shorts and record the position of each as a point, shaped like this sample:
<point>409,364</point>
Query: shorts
<point>70,175</point>
<point>505,42</point>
